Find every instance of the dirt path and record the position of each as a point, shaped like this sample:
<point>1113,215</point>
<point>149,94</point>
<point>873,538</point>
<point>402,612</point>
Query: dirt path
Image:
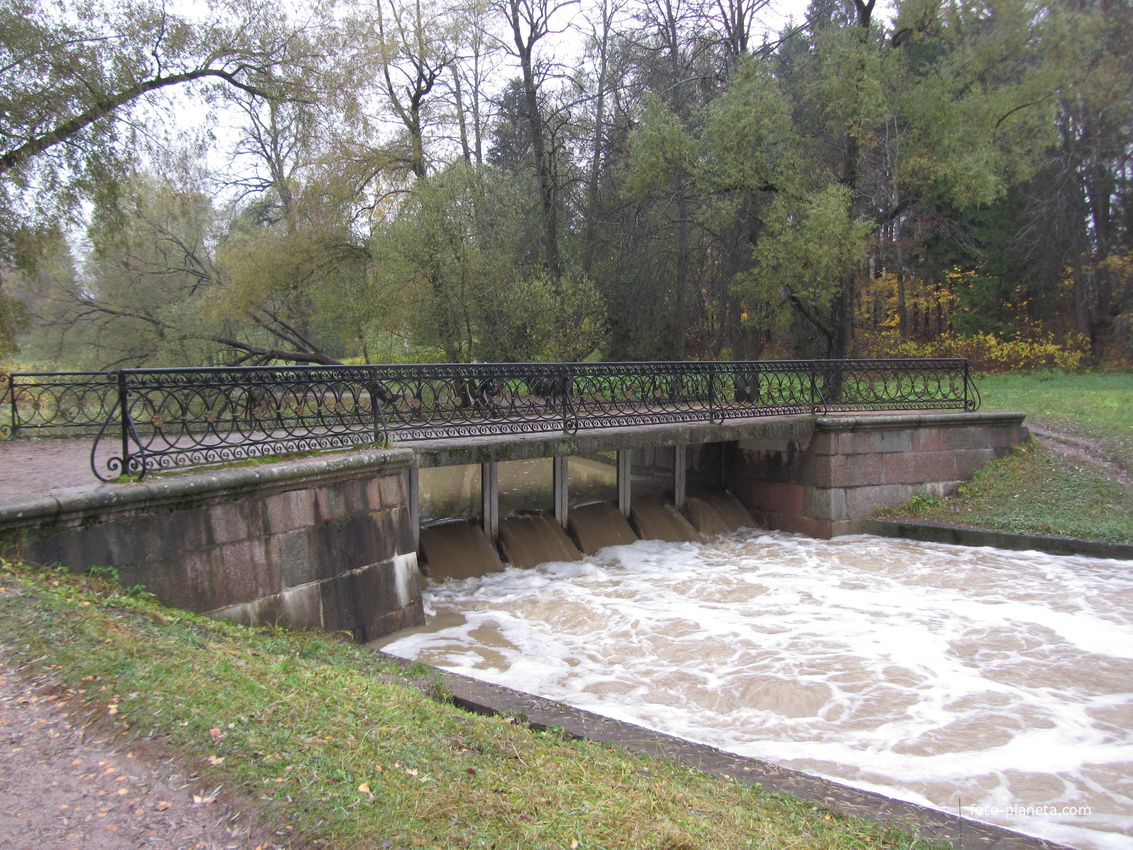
<point>1085,450</point>
<point>64,785</point>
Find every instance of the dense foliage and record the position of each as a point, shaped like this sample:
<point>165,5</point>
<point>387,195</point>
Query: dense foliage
<point>552,179</point>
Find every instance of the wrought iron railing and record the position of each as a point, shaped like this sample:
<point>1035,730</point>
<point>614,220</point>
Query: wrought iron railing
<point>167,418</point>
<point>56,404</point>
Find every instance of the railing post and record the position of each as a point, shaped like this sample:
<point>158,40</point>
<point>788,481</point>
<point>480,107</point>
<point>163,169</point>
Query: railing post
<point>813,386</point>
<point>11,392</point>
<point>712,391</point>
<point>381,427</point>
<point>972,398</point>
<point>124,412</point>
<point>567,379</point>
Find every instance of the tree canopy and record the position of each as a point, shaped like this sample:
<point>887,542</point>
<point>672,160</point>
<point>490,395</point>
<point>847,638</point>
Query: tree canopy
<point>403,179</point>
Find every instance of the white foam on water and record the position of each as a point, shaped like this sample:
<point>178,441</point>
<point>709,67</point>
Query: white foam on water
<point>997,682</point>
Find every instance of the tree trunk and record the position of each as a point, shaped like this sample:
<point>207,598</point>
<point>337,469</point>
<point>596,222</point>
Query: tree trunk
<point>525,46</point>
<point>596,148</point>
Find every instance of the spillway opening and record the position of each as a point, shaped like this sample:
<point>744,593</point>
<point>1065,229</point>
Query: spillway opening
<point>456,549</point>
<point>449,492</point>
<point>561,509</point>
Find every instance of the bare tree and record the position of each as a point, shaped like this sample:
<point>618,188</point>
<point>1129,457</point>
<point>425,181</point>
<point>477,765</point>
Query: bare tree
<point>414,52</point>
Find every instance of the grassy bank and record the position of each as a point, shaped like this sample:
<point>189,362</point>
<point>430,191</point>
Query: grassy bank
<point>339,746</point>
<point>1040,489</point>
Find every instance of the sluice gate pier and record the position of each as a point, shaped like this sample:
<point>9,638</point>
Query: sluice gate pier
<point>332,539</point>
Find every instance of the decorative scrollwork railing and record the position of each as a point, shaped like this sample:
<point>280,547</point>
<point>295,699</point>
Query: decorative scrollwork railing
<point>56,404</point>
<point>168,418</point>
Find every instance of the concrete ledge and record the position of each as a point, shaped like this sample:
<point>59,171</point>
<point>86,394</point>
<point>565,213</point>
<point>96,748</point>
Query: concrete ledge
<point>542,714</point>
<point>939,532</point>
<point>875,421</point>
<point>486,449</point>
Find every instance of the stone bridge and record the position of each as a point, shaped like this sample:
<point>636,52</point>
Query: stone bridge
<point>331,541</point>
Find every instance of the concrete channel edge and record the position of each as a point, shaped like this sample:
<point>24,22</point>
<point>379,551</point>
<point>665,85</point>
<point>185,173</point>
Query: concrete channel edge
<point>941,532</point>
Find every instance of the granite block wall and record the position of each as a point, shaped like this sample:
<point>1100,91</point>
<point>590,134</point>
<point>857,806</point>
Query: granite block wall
<point>320,543</point>
<point>828,482</point>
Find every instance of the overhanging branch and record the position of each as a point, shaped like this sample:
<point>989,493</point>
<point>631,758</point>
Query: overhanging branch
<point>105,106</point>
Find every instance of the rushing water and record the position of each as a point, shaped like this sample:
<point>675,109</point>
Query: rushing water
<point>1000,682</point>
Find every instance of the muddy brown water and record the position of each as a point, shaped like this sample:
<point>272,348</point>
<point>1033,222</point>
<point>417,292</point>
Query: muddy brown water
<point>996,683</point>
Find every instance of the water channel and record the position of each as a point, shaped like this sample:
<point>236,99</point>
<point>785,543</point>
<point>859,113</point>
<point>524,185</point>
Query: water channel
<point>999,683</point>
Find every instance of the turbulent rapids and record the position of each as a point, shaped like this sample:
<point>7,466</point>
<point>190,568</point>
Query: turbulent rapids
<point>997,683</point>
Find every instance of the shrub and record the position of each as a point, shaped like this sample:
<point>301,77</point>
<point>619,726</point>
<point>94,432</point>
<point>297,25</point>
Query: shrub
<point>991,355</point>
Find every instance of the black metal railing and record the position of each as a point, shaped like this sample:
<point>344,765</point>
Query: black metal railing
<point>166,418</point>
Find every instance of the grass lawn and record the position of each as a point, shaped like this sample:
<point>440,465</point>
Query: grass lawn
<point>1098,406</point>
<point>340,748</point>
<point>1039,489</point>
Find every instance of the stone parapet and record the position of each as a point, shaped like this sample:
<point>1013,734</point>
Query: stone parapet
<point>322,542</point>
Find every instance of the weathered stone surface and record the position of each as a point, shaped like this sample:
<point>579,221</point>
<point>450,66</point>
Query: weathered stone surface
<point>852,466</point>
<point>323,542</point>
<point>291,510</point>
<point>296,608</point>
<point>966,438</point>
<point>969,460</point>
<point>240,522</point>
<point>917,468</point>
<point>928,440</point>
<point>388,593</point>
<point>824,503</point>
<point>293,550</point>
<point>881,441</point>
<point>862,502</point>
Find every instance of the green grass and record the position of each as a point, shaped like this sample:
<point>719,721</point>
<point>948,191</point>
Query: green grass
<point>339,746</point>
<point>1035,490</point>
<point>1039,490</point>
<point>1099,406</point>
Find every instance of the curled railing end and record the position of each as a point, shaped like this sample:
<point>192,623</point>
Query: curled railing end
<point>972,398</point>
